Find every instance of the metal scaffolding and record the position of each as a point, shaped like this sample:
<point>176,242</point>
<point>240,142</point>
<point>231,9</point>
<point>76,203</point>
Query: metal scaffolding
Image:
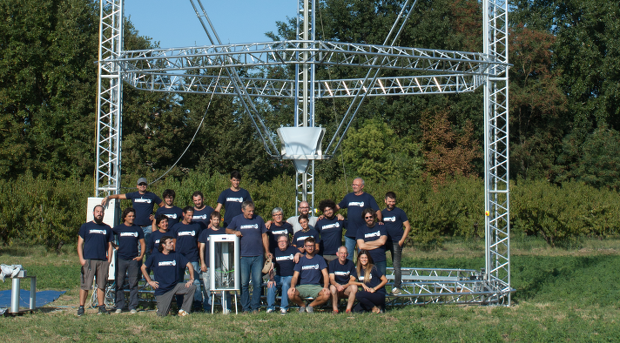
<point>431,72</point>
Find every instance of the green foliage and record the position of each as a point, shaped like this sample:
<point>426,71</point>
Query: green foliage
<point>561,215</point>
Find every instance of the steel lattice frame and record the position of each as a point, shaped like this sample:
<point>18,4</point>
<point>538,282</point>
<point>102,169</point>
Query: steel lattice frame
<point>185,70</point>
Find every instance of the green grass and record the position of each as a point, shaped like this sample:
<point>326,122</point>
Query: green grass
<point>562,295</point>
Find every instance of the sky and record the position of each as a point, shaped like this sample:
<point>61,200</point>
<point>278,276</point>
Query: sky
<point>174,23</point>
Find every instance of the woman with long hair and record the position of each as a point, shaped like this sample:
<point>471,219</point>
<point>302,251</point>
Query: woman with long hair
<point>129,260</point>
<point>162,223</point>
<point>372,297</point>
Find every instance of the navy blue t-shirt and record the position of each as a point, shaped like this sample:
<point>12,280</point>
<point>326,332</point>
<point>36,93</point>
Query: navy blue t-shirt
<point>299,237</point>
<point>355,204</point>
<point>283,261</point>
<point>128,240</point>
<point>155,238</point>
<point>232,203</point>
<point>203,216</point>
<point>375,279</point>
<point>251,244</point>
<point>393,221</point>
<point>143,204</point>
<point>187,240</point>
<point>341,272</point>
<point>372,234</point>
<point>167,270</point>
<point>96,238</point>
<point>276,231</point>
<point>174,214</point>
<point>331,234</point>
<point>204,238</point>
<point>310,270</point>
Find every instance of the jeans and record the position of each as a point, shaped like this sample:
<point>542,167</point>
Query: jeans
<point>251,266</point>
<point>381,266</point>
<point>206,284</point>
<point>132,268</point>
<point>367,300</point>
<point>148,230</point>
<point>397,253</point>
<point>350,244</point>
<point>284,283</point>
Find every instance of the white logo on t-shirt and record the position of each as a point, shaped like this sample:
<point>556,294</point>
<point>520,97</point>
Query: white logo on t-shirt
<point>281,232</point>
<point>311,266</point>
<point>249,226</point>
<point>142,200</point>
<point>302,238</point>
<point>157,241</point>
<point>187,233</point>
<point>373,234</point>
<point>129,234</point>
<point>341,273</point>
<point>172,216</point>
<point>331,226</point>
<point>389,219</point>
<point>167,263</point>
<point>285,258</point>
<point>97,232</point>
<point>202,216</point>
<point>362,278</point>
<point>234,199</point>
<point>357,204</point>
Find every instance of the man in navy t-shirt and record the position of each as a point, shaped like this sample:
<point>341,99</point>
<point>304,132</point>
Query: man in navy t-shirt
<point>174,213</point>
<point>168,268</point>
<point>355,203</point>
<point>330,229</point>
<point>308,274</point>
<point>95,253</point>
<point>277,228</point>
<point>202,212</point>
<point>342,276</point>
<point>143,202</point>
<point>372,237</point>
<point>186,235</point>
<point>281,273</point>
<point>232,198</point>
<point>395,219</point>
<point>253,244</point>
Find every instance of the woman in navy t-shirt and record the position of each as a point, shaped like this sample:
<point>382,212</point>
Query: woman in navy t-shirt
<point>372,297</point>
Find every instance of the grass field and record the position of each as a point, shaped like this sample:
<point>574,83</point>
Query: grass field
<point>562,295</point>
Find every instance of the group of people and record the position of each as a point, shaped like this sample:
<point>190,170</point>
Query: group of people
<point>309,259</point>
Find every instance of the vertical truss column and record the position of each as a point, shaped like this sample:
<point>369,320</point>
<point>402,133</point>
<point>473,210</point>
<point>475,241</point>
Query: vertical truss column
<point>496,181</point>
<point>304,94</point>
<point>109,99</point>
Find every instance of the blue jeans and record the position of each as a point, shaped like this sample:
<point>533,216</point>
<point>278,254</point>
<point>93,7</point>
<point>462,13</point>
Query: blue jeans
<point>382,266</point>
<point>251,266</point>
<point>284,283</point>
<point>148,230</point>
<point>350,244</point>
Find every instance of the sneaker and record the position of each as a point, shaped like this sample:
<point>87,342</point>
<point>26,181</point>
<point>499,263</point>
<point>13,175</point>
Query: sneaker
<point>102,310</point>
<point>310,309</point>
<point>269,310</point>
<point>302,309</point>
<point>118,311</point>
<point>182,313</point>
<point>282,311</point>
<point>134,311</point>
<point>396,291</point>
<point>80,311</point>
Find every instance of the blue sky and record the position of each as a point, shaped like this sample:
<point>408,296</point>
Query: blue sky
<point>174,23</point>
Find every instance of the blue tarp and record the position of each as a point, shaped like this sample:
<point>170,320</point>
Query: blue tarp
<point>43,297</point>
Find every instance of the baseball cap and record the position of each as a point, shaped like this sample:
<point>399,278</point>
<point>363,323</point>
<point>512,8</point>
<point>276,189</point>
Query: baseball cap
<point>142,179</point>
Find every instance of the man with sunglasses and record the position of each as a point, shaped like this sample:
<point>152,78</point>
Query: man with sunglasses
<point>372,237</point>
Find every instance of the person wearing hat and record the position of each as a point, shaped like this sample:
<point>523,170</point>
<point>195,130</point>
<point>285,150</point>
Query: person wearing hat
<point>143,202</point>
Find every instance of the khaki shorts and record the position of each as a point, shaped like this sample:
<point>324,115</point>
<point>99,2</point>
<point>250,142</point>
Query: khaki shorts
<point>92,268</point>
<point>309,291</point>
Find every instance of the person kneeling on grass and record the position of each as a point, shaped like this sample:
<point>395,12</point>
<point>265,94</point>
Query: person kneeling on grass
<point>308,272</point>
<point>372,298</point>
<point>167,268</point>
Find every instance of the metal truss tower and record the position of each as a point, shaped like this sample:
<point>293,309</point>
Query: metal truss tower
<point>420,71</point>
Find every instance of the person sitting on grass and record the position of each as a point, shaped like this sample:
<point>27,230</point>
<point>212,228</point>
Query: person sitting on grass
<point>308,272</point>
<point>372,298</point>
<point>167,267</point>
